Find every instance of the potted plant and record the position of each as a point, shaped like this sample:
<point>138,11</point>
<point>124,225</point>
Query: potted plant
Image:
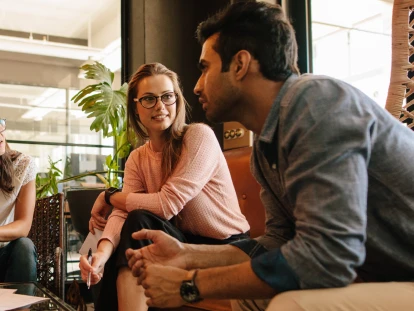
<point>108,108</point>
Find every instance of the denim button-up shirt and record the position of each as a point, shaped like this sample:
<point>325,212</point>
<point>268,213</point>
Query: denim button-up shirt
<point>337,174</point>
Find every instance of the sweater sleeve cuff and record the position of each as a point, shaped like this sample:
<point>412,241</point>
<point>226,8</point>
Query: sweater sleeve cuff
<point>113,229</point>
<point>273,269</point>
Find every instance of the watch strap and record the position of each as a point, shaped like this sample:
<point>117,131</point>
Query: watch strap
<point>194,276</point>
<point>108,192</point>
<point>190,283</point>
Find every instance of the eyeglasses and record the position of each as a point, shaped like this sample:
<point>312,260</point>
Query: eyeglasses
<point>2,125</point>
<point>150,101</point>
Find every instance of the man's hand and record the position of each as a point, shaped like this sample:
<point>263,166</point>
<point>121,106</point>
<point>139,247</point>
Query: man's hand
<point>99,211</point>
<point>162,285</point>
<point>165,250</point>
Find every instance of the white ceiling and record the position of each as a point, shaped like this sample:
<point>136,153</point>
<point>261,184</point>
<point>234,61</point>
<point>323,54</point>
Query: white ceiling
<point>97,21</point>
<point>66,18</point>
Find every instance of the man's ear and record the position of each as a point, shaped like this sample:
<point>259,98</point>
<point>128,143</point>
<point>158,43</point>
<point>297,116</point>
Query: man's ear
<point>242,61</point>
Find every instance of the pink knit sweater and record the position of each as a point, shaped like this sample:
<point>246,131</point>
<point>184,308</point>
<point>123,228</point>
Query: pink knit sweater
<point>200,189</point>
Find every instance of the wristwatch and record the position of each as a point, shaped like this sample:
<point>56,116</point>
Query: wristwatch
<point>108,192</point>
<point>189,291</point>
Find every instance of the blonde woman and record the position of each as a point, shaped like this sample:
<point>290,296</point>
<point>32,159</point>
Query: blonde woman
<point>177,182</point>
<point>17,201</point>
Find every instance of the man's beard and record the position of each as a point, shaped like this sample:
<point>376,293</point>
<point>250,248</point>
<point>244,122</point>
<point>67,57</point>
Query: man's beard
<point>225,111</point>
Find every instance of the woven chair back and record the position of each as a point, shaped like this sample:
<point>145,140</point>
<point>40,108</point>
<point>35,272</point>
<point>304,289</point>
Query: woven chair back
<point>401,85</point>
<point>47,235</point>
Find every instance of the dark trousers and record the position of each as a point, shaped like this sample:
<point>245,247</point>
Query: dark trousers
<point>137,220</point>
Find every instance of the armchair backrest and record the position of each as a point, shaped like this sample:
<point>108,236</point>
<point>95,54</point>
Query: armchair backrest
<point>247,188</point>
<point>401,84</point>
<point>48,237</point>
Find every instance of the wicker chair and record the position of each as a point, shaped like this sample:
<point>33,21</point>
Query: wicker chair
<point>47,235</point>
<point>400,100</point>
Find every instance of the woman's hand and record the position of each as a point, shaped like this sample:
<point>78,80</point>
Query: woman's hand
<point>96,268</point>
<point>98,214</point>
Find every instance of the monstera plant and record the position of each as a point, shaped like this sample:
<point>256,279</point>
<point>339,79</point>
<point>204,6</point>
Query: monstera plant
<point>108,108</point>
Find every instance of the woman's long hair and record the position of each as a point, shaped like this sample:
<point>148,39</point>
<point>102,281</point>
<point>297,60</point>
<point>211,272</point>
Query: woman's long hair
<point>6,170</point>
<point>174,134</point>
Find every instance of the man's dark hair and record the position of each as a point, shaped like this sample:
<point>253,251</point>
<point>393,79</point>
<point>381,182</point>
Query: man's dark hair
<point>258,27</point>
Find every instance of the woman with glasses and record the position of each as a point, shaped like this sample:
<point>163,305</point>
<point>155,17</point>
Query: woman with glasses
<point>178,182</point>
<point>17,201</point>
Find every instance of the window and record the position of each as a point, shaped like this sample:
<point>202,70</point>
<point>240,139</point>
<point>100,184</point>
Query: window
<point>352,42</point>
<point>43,122</point>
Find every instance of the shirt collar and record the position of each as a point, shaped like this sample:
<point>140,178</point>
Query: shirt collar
<point>270,125</point>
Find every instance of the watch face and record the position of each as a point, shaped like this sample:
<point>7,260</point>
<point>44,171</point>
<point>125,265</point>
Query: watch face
<point>112,190</point>
<point>189,292</point>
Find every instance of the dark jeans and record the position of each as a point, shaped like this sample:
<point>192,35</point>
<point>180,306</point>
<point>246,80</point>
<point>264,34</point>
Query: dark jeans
<point>137,220</point>
<point>18,261</point>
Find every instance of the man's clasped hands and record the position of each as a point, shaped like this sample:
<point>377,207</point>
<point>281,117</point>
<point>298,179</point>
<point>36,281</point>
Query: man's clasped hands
<point>159,267</point>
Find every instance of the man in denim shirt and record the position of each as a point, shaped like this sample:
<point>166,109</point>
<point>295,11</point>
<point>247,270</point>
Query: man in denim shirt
<point>336,172</point>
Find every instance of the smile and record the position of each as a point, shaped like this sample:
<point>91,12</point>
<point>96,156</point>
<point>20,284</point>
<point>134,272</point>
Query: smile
<point>160,117</point>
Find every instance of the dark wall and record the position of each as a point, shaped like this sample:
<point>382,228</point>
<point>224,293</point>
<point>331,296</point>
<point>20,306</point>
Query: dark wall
<point>299,12</point>
<point>164,31</point>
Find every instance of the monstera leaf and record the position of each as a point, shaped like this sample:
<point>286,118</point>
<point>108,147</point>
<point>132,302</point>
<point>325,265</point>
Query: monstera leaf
<point>100,101</point>
<point>108,107</point>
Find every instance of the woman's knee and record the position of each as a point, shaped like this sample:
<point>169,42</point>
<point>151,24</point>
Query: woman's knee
<point>136,220</point>
<point>24,247</point>
<point>139,214</point>
<point>140,219</point>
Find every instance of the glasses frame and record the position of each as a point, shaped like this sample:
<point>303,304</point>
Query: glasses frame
<point>3,121</point>
<point>156,100</point>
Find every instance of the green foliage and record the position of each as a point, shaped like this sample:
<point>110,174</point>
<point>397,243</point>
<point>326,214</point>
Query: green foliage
<point>46,186</point>
<point>108,107</point>
<point>101,102</point>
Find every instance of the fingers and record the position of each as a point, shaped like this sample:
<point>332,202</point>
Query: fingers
<point>84,267</point>
<point>93,223</point>
<point>98,213</point>
<point>146,234</point>
<point>91,228</point>
<point>95,277</point>
<point>129,253</point>
<point>149,301</point>
<point>160,285</point>
<point>84,264</point>
<point>93,269</point>
<point>98,221</point>
<point>141,279</point>
<point>133,255</point>
<point>135,261</point>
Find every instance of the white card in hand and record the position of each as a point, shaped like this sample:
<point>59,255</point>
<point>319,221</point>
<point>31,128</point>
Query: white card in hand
<point>91,241</point>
